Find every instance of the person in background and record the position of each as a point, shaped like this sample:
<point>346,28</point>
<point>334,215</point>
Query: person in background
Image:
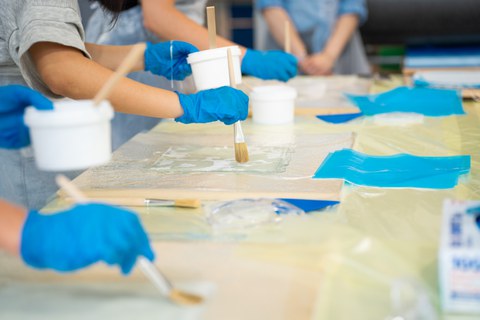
<point>68,240</point>
<point>42,45</point>
<point>324,34</point>
<point>162,20</point>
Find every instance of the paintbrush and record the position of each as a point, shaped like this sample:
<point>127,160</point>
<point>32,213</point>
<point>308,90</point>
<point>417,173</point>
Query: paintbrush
<point>148,268</point>
<point>241,150</point>
<point>288,42</point>
<point>145,202</point>
<point>132,57</point>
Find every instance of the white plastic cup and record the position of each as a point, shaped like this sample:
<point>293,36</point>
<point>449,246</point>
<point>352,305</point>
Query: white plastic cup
<point>210,67</point>
<point>273,104</point>
<point>75,135</point>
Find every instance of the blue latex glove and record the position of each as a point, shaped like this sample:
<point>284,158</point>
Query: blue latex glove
<point>169,59</point>
<point>269,65</point>
<point>13,101</point>
<point>83,235</point>
<point>225,104</point>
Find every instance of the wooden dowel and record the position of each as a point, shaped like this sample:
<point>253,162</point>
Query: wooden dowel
<point>288,41</point>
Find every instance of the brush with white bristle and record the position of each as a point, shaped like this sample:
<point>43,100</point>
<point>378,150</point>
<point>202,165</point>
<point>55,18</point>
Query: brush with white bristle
<point>241,150</point>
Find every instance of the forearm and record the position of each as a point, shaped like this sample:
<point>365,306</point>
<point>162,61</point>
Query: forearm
<point>343,31</point>
<point>275,18</point>
<point>12,218</point>
<point>166,22</point>
<point>112,56</point>
<point>69,73</point>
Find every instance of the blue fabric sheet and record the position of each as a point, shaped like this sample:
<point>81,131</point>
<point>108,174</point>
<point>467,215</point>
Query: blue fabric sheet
<point>310,205</point>
<point>426,101</point>
<point>395,171</point>
<point>339,118</point>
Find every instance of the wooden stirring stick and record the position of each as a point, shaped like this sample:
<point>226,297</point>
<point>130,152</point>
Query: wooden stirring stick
<point>147,267</point>
<point>288,41</point>
<point>133,56</point>
<point>241,150</point>
<point>212,28</point>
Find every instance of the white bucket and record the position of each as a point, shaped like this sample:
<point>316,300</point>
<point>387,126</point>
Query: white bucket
<point>75,135</point>
<point>273,104</point>
<point>210,67</point>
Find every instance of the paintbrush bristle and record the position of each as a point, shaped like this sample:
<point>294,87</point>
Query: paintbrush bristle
<point>181,297</point>
<point>241,152</point>
<point>188,203</point>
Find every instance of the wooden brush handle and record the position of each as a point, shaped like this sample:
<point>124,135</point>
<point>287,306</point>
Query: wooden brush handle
<point>288,41</point>
<point>188,203</point>
<point>130,60</point>
<point>231,70</point>
<point>212,27</point>
<point>71,189</point>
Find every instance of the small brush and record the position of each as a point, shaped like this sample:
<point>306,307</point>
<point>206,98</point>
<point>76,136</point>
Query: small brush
<point>146,202</point>
<point>288,41</point>
<point>148,268</point>
<point>241,150</point>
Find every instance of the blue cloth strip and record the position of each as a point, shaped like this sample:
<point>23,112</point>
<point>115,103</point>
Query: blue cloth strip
<point>426,101</point>
<point>310,205</point>
<point>339,118</point>
<point>395,171</point>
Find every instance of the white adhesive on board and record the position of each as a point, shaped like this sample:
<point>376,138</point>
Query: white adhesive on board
<point>75,135</point>
<point>210,67</point>
<point>273,104</point>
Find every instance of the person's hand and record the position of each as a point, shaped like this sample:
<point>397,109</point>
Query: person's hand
<point>319,64</point>
<point>83,235</point>
<point>225,104</point>
<point>13,101</point>
<point>270,65</point>
<point>169,59</point>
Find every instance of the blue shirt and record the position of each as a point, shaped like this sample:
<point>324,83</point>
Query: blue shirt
<point>316,17</point>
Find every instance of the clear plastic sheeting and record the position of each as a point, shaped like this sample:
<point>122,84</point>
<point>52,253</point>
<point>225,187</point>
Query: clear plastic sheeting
<point>373,256</point>
<point>394,171</point>
<point>426,101</point>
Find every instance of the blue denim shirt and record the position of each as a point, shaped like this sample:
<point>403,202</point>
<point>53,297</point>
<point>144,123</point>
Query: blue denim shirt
<point>317,17</point>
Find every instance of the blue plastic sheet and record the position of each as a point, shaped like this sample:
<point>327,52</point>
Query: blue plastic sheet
<point>426,101</point>
<point>310,205</point>
<point>339,118</point>
<point>395,171</point>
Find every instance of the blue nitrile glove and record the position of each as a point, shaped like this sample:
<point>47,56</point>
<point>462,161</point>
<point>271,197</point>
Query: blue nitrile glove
<point>225,104</point>
<point>270,65</point>
<point>83,235</point>
<point>13,101</point>
<point>169,59</point>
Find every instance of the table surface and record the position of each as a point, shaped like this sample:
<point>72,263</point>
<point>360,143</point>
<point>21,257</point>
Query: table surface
<point>352,259</point>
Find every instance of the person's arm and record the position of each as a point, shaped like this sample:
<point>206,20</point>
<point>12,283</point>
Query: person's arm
<point>12,218</point>
<point>322,63</point>
<point>67,72</point>
<point>163,19</point>
<point>276,18</point>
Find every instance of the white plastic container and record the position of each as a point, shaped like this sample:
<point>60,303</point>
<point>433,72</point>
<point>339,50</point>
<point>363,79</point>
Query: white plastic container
<point>273,104</point>
<point>75,135</point>
<point>210,67</point>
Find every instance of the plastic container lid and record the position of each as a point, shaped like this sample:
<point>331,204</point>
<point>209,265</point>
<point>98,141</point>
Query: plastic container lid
<point>212,54</point>
<point>273,93</point>
<point>68,113</point>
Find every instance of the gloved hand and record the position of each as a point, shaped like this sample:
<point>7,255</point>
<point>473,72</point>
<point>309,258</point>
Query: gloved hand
<point>225,104</point>
<point>169,59</point>
<point>83,235</point>
<point>269,65</point>
<point>13,101</point>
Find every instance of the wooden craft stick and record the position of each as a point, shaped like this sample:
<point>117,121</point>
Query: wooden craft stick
<point>212,28</point>
<point>133,56</point>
